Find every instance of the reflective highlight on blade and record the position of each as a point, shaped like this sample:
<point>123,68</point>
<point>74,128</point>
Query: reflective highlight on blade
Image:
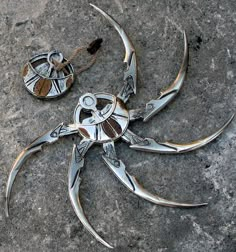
<point>166,96</point>
<point>49,137</point>
<point>15,169</point>
<point>154,106</point>
<point>149,144</point>
<point>119,169</point>
<point>130,74</point>
<point>77,163</point>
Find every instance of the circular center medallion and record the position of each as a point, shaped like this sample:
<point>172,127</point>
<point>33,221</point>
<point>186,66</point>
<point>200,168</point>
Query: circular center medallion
<point>101,117</point>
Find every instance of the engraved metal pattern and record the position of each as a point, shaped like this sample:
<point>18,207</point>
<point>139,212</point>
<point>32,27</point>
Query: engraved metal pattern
<point>102,118</point>
<point>105,124</point>
<point>42,79</point>
<point>130,74</point>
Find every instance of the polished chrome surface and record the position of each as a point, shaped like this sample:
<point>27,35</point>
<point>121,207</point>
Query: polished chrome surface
<point>166,96</point>
<point>42,79</point>
<point>119,169</point>
<point>106,123</point>
<point>49,137</point>
<point>77,163</point>
<point>150,145</point>
<point>102,118</point>
<point>130,74</point>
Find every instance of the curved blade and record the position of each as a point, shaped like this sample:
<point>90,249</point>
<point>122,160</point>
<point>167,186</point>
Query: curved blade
<point>119,169</point>
<point>166,96</point>
<point>49,137</point>
<point>77,162</point>
<point>151,145</point>
<point>130,75</point>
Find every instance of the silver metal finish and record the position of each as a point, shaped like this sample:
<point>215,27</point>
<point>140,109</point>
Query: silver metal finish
<point>119,169</point>
<point>151,145</point>
<point>42,79</point>
<point>48,138</point>
<point>130,75</point>
<point>166,96</point>
<point>101,125</point>
<point>77,163</point>
<point>102,118</point>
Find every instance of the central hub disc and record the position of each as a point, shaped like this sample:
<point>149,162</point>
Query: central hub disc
<point>101,117</point>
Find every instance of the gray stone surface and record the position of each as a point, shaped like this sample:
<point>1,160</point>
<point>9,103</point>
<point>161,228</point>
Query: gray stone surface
<point>42,218</point>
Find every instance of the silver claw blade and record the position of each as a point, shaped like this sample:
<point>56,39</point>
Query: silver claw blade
<point>151,145</point>
<point>49,137</point>
<point>130,74</point>
<point>119,169</point>
<point>154,106</point>
<point>166,96</point>
<point>143,193</point>
<point>77,163</point>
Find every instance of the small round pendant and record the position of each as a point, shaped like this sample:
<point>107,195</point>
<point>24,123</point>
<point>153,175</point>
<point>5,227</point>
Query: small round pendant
<point>43,80</point>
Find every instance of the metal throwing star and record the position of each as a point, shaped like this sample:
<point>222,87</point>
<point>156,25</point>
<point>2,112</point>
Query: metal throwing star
<point>103,118</point>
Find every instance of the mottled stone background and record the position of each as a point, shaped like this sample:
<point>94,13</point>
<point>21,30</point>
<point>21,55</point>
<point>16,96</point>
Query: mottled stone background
<point>42,218</point>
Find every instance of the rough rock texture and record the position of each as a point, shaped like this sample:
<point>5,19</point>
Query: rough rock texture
<point>42,218</point>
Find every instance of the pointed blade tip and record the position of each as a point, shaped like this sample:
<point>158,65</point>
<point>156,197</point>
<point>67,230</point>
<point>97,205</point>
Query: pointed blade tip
<point>108,245</point>
<point>201,204</point>
<point>7,209</point>
<point>195,205</point>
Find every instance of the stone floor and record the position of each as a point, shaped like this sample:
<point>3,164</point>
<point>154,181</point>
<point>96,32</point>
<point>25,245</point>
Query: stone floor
<point>42,218</point>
